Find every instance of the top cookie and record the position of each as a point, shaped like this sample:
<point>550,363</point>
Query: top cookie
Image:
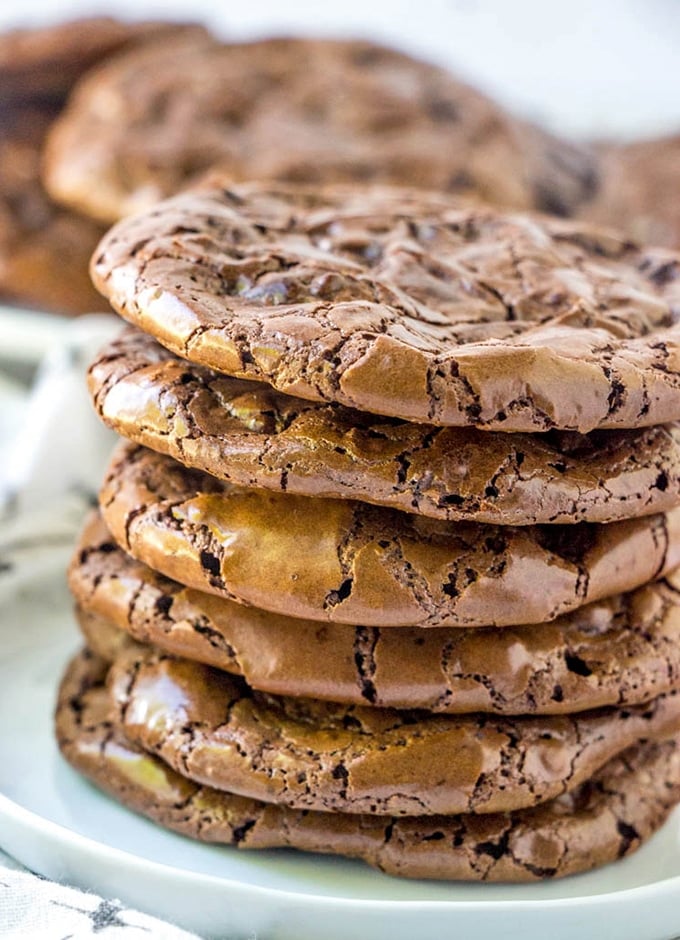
<point>303,111</point>
<point>407,304</point>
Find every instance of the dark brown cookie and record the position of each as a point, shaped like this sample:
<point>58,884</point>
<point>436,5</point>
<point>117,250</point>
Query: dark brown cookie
<point>620,651</point>
<point>209,726</point>
<point>46,62</point>
<point>248,434</point>
<point>299,110</point>
<point>599,821</point>
<point>349,562</point>
<point>44,248</point>
<point>406,304</point>
<point>637,194</point>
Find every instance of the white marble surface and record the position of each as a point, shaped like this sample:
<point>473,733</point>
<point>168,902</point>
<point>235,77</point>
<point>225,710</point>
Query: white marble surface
<point>35,909</point>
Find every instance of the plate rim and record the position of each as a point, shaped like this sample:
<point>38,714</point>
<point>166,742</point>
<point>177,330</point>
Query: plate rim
<point>76,840</point>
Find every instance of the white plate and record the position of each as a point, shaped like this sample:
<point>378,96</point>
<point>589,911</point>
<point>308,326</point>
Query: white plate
<point>58,825</point>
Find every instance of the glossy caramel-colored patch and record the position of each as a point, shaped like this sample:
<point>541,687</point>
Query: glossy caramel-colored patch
<point>621,650</point>
<point>348,562</point>
<point>249,434</point>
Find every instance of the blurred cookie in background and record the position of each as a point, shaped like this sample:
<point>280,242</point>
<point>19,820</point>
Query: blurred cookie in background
<point>300,110</point>
<point>46,62</point>
<point>45,248</point>
<point>639,183</point>
<point>601,820</point>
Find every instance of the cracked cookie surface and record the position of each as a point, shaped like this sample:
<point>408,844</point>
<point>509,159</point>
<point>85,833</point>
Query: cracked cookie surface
<point>302,110</point>
<point>251,435</point>
<point>210,727</point>
<point>406,304</point>
<point>603,819</point>
<point>349,562</point>
<point>620,651</point>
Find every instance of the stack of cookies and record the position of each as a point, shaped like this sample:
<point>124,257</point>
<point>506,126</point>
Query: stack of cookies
<point>385,566</point>
<point>635,180</point>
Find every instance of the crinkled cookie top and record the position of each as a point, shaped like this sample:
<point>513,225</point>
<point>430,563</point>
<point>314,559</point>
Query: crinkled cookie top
<point>407,304</point>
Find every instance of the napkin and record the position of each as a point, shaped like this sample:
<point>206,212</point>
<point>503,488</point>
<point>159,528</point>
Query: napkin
<point>53,452</point>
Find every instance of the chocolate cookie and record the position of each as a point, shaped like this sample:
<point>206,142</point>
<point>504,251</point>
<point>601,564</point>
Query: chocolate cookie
<point>349,562</point>
<point>47,62</point>
<point>637,183</point>
<point>620,651</point>
<point>248,434</point>
<point>211,727</point>
<point>406,304</point>
<point>44,248</point>
<point>599,821</point>
<point>300,110</point>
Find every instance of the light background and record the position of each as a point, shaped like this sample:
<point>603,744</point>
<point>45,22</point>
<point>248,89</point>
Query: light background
<point>586,67</point>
